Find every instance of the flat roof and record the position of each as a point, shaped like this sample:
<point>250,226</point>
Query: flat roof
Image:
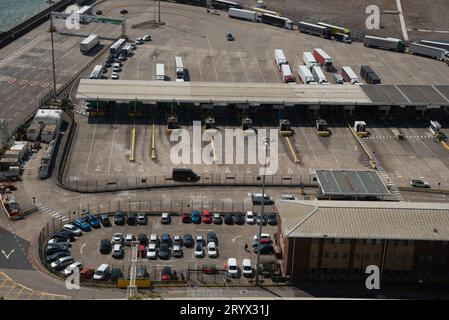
<point>351,183</point>
<point>364,220</point>
<point>219,92</point>
<point>416,95</point>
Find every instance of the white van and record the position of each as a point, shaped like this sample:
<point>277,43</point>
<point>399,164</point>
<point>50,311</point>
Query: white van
<point>102,272</point>
<point>247,269</point>
<point>232,268</point>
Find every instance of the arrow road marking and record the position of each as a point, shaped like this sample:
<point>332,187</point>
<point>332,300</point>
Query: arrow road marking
<point>235,238</point>
<point>81,249</point>
<point>7,255</point>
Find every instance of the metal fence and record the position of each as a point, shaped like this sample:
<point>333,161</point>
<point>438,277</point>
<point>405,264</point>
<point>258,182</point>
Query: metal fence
<point>138,182</point>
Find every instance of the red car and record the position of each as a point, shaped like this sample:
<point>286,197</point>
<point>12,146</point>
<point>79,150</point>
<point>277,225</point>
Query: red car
<point>166,274</point>
<point>86,273</point>
<point>206,216</point>
<point>185,218</point>
<point>142,252</point>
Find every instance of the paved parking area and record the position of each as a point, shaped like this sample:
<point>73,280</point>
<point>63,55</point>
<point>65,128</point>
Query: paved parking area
<point>231,243</point>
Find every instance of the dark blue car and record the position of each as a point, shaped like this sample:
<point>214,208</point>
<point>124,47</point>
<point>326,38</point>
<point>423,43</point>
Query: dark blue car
<point>92,220</point>
<point>82,224</point>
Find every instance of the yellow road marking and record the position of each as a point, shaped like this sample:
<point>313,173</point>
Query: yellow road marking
<point>133,144</point>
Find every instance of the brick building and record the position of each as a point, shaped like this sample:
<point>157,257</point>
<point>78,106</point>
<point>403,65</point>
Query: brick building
<point>339,239</point>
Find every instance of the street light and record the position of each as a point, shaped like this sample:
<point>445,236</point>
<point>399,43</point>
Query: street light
<point>52,48</point>
<point>266,142</point>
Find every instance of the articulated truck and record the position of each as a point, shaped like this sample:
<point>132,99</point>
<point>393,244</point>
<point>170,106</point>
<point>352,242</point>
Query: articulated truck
<point>349,75</point>
<point>243,14</point>
<point>323,58</point>
<point>384,43</point>
<point>279,58</point>
<point>277,21</point>
<point>431,52</point>
<point>339,33</point>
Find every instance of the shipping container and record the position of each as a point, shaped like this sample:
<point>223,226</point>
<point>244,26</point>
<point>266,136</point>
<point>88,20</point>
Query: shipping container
<point>384,43</point>
<point>243,14</point>
<point>318,74</point>
<point>349,75</point>
<point>287,75</point>
<point>279,58</point>
<point>309,59</point>
<point>305,75</point>
<point>323,58</point>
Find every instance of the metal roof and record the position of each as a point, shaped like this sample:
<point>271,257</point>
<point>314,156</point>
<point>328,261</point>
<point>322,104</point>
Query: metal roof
<point>364,220</point>
<point>351,183</point>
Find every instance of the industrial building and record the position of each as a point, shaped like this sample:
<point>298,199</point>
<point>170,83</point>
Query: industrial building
<point>325,240</point>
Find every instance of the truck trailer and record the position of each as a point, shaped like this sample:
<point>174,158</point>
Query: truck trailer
<point>349,75</point>
<point>243,14</point>
<point>89,43</point>
<point>305,75</point>
<point>160,72</point>
<point>279,58</point>
<point>428,51</point>
<point>309,60</point>
<point>369,75</point>
<point>277,21</point>
<point>384,43</point>
<point>435,43</point>
<point>323,58</point>
<point>314,30</point>
<point>318,75</point>
<point>287,75</point>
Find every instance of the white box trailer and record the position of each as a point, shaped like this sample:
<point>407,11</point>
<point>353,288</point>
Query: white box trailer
<point>243,14</point>
<point>305,75</point>
<point>309,59</point>
<point>349,75</point>
<point>89,43</point>
<point>280,58</point>
<point>318,75</point>
<point>179,67</point>
<point>429,51</point>
<point>287,75</point>
<point>160,72</point>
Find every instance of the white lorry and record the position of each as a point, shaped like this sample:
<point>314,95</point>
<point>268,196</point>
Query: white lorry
<point>243,14</point>
<point>160,72</point>
<point>318,74</point>
<point>305,75</point>
<point>89,43</point>
<point>280,58</point>
<point>349,75</point>
<point>309,59</point>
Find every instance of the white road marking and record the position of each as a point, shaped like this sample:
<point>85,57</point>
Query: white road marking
<point>82,247</point>
<point>402,20</point>
<point>7,255</point>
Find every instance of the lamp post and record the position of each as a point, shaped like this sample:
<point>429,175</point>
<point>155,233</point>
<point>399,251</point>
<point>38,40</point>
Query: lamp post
<point>52,48</point>
<point>266,142</point>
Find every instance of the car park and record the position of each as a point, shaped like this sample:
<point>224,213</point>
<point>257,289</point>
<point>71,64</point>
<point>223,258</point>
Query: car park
<point>165,238</point>
<point>165,218</point>
<point>117,238</point>
<point>142,238</point>
<point>105,246</point>
<point>57,255</point>
<point>129,238</point>
<point>419,183</point>
<point>166,274</point>
<point>152,251</point>
<point>146,38</point>
<point>93,221</point>
<point>62,263</point>
<point>114,76</point>
<point>70,269</point>
<point>188,240</point>
<point>117,251</point>
<point>196,217</point>
<point>231,268</point>
<point>102,272</point>
<point>212,251</point>
<point>216,218</point>
<point>177,251</point>
<point>104,219</point>
<point>177,240</point>
<point>206,217</point>
<point>250,217</point>
<point>247,269</point>
<point>272,219</point>
<point>82,224</point>
<point>70,227</point>
<point>116,273</point>
<point>186,218</point>
<point>238,218</point>
<point>164,251</point>
<point>131,218</point>
<point>119,220</point>
<point>199,252</point>
<point>142,218</point>
<point>154,238</point>
<point>54,248</point>
<point>228,219</point>
<point>212,237</point>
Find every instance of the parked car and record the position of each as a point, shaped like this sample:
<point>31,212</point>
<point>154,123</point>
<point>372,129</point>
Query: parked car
<point>264,248</point>
<point>143,239</point>
<point>165,218</point>
<point>165,238</point>
<point>117,251</point>
<point>105,221</point>
<point>70,227</point>
<point>257,199</point>
<point>206,217</point>
<point>164,251</point>
<point>119,220</point>
<point>154,238</point>
<point>166,274</point>
<point>200,239</point>
<point>177,251</point>
<point>199,252</point>
<point>62,263</point>
<point>146,38</point>
<point>188,240</point>
<point>186,218</point>
<point>55,248</point>
<point>105,246</point>
<point>138,41</point>
<point>70,269</point>
<point>228,219</point>
<point>114,76</point>
<point>59,241</point>
<point>212,237</point>
<point>152,251</point>
<point>231,268</point>
<point>209,269</point>
<point>102,272</point>
<point>117,238</point>
<point>131,218</point>
<point>272,219</point>
<point>142,218</point>
<point>216,218</point>
<point>247,269</point>
<point>87,273</point>
<point>212,251</point>
<point>116,273</point>
<point>238,218</point>
<point>177,240</point>
<point>82,224</point>
<point>287,196</point>
<point>141,251</point>
<point>123,11</point>
<point>196,217</point>
<point>229,36</point>
<point>419,183</point>
<point>129,238</point>
<point>99,12</point>
<point>64,234</point>
<point>93,221</point>
<point>261,219</point>
<point>57,255</point>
